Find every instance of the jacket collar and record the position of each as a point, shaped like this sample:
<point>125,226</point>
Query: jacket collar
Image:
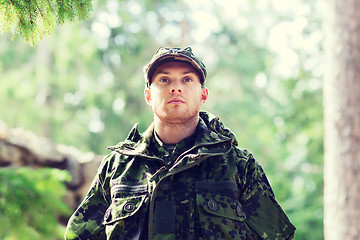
<point>212,138</point>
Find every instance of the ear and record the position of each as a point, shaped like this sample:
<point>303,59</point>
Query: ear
<point>147,94</point>
<point>204,94</point>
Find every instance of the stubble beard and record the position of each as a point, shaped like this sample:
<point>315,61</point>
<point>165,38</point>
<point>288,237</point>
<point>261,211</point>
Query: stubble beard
<point>176,116</point>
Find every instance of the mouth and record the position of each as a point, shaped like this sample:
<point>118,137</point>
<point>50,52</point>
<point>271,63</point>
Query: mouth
<point>176,101</point>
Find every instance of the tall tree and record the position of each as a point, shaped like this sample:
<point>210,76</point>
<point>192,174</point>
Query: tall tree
<point>342,120</point>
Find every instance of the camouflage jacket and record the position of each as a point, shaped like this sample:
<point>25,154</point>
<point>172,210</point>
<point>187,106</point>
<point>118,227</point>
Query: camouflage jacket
<point>206,188</point>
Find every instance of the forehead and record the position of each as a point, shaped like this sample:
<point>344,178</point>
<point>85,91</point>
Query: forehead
<point>175,67</point>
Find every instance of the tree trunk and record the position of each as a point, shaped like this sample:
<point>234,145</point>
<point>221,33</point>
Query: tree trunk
<point>342,120</point>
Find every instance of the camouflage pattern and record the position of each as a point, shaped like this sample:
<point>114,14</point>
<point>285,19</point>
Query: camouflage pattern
<point>207,188</point>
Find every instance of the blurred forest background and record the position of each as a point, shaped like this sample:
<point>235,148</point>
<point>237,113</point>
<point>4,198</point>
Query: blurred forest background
<point>83,85</point>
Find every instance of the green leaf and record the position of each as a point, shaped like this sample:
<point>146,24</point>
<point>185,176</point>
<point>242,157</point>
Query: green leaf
<point>31,202</point>
<point>34,19</point>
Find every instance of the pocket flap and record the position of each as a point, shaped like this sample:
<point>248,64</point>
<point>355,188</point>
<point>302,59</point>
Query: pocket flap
<point>122,208</point>
<point>220,205</point>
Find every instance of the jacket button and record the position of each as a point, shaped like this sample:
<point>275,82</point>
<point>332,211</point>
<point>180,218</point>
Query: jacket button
<point>129,207</point>
<point>165,185</point>
<point>107,215</point>
<point>239,211</point>
<point>213,205</point>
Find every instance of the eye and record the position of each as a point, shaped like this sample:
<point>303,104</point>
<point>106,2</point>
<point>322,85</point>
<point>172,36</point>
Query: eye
<point>187,79</point>
<point>164,80</point>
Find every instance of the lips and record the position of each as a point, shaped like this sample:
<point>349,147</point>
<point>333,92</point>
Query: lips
<point>176,100</point>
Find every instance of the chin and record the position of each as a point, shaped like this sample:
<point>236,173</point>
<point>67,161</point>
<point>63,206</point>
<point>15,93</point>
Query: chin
<point>177,117</point>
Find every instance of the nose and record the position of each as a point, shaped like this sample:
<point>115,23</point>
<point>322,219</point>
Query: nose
<point>176,87</point>
<point>173,90</point>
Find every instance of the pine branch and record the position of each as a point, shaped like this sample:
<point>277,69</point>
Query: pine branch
<point>34,19</point>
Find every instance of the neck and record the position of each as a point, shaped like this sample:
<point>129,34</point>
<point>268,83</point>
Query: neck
<point>175,132</point>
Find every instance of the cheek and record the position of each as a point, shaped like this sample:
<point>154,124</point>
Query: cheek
<point>199,95</point>
<point>156,96</point>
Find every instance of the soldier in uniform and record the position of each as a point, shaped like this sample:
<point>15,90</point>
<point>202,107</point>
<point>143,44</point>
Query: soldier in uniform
<point>183,178</point>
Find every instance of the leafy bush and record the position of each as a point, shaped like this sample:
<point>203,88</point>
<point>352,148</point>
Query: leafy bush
<point>31,202</point>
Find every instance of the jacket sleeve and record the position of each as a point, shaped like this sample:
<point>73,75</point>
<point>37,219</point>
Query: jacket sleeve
<point>87,220</point>
<point>264,215</point>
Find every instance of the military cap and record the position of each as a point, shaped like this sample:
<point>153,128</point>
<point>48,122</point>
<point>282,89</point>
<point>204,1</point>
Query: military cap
<point>165,54</point>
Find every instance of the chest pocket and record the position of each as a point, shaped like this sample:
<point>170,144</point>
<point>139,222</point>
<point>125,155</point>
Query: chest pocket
<point>220,212</point>
<point>126,201</point>
<point>219,199</point>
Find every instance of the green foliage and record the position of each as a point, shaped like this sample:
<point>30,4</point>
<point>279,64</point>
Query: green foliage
<point>31,202</point>
<point>33,19</point>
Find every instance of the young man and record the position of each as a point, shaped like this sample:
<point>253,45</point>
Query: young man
<point>185,177</point>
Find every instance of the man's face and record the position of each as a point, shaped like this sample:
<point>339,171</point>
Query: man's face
<point>176,94</point>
